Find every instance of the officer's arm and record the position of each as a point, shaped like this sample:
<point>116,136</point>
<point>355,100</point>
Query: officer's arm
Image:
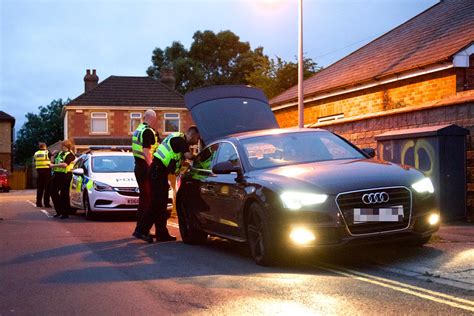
<point>147,154</point>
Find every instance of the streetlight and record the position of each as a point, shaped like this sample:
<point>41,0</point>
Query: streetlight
<point>300,66</point>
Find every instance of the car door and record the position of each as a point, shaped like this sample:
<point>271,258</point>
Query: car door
<point>226,195</point>
<point>76,183</point>
<point>196,187</point>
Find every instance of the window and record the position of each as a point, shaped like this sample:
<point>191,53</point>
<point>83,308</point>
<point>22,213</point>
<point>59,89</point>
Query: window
<point>171,122</point>
<point>135,120</point>
<point>227,153</point>
<point>99,122</point>
<point>204,159</point>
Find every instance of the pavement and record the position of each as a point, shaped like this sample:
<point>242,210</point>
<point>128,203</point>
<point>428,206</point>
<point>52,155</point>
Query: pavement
<point>447,259</point>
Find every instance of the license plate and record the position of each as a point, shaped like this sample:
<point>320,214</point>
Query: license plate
<point>383,214</point>
<point>132,202</point>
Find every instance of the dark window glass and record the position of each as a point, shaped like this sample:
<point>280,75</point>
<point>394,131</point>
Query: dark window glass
<point>205,157</point>
<point>227,153</point>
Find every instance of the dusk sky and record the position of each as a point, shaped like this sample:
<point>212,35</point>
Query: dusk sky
<point>47,45</point>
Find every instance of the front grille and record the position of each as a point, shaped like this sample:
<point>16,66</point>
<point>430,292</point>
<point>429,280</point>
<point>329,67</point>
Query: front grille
<point>347,202</point>
<point>127,191</point>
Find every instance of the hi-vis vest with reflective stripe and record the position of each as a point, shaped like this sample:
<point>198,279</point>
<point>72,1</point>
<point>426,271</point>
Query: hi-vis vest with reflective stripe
<point>42,159</point>
<point>165,153</point>
<point>59,159</point>
<point>137,141</point>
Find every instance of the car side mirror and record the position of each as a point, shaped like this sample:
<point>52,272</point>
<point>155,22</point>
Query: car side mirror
<point>225,167</point>
<point>369,151</point>
<point>78,172</point>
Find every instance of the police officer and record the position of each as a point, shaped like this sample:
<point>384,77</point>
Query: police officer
<point>42,163</point>
<point>166,160</point>
<point>144,144</point>
<point>63,163</point>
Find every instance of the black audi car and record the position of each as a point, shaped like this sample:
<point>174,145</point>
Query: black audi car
<point>279,188</point>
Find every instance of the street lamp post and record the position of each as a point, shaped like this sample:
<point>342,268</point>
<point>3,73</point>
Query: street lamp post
<point>300,66</point>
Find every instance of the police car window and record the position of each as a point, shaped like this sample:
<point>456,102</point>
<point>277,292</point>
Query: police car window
<point>205,157</point>
<point>110,164</point>
<point>227,153</point>
<point>85,166</point>
<point>79,163</point>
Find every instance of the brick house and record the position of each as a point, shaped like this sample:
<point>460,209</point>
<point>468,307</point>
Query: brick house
<point>108,112</point>
<point>419,74</point>
<point>7,123</point>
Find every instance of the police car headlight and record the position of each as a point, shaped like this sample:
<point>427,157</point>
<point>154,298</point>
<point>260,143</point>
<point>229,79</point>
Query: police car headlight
<point>99,186</point>
<point>423,186</point>
<point>296,200</point>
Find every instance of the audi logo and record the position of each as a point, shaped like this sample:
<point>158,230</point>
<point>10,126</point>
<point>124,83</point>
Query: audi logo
<point>375,198</point>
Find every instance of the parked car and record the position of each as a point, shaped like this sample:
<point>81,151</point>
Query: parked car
<point>282,188</point>
<point>104,181</point>
<point>4,184</point>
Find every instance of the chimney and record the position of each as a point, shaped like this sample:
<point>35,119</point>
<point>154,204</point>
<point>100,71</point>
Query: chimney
<point>90,80</point>
<point>167,77</point>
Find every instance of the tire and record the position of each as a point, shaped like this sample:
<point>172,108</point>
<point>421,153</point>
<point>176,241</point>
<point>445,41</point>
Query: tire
<point>6,190</point>
<point>190,234</point>
<point>263,251</point>
<point>87,208</point>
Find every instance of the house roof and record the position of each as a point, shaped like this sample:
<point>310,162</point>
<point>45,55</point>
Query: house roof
<point>7,117</point>
<point>130,91</point>
<point>431,37</point>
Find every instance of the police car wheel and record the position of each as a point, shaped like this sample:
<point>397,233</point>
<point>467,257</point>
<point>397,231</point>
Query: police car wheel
<point>187,229</point>
<point>87,207</point>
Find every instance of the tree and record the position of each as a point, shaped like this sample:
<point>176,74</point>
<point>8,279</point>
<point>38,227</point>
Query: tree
<point>47,126</point>
<point>217,59</point>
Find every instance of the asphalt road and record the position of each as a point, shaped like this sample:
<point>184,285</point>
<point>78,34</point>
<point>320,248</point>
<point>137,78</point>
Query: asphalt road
<point>73,266</point>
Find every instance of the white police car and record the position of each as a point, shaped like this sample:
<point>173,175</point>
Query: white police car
<point>104,181</point>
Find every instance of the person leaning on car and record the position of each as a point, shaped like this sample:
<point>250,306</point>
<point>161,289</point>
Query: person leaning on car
<point>42,159</point>
<point>144,143</point>
<point>166,160</point>
<point>63,163</point>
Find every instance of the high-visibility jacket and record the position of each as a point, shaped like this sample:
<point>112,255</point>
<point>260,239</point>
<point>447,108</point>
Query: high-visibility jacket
<point>137,141</point>
<point>165,153</point>
<point>41,159</point>
<point>60,158</point>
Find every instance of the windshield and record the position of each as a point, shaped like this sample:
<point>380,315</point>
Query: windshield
<point>110,164</point>
<point>294,148</point>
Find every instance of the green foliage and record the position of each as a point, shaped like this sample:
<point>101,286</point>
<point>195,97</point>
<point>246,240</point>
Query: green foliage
<point>47,127</point>
<point>218,59</point>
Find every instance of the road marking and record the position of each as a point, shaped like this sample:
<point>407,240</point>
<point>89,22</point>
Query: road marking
<point>31,203</point>
<point>402,287</point>
<point>46,212</point>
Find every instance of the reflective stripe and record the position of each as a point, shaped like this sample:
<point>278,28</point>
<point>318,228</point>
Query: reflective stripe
<point>60,159</point>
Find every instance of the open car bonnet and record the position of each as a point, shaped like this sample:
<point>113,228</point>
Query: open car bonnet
<point>219,111</point>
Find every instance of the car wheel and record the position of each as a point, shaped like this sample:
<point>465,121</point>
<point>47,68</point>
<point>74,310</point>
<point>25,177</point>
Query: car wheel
<point>87,207</point>
<point>6,190</point>
<point>190,234</point>
<point>258,237</point>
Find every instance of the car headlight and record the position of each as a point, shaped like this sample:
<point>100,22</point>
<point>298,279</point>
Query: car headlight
<point>99,186</point>
<point>423,186</point>
<point>296,200</point>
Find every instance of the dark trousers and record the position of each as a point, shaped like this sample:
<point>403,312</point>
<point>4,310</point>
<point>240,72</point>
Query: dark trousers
<point>42,186</point>
<point>60,192</point>
<point>158,213</point>
<point>144,198</point>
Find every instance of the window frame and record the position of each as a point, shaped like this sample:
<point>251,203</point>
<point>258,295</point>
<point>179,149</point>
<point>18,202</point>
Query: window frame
<point>165,132</point>
<point>106,122</point>
<point>134,118</point>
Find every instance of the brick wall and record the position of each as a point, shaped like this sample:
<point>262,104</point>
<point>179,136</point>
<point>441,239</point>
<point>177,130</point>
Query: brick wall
<point>362,132</point>
<point>409,93</point>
